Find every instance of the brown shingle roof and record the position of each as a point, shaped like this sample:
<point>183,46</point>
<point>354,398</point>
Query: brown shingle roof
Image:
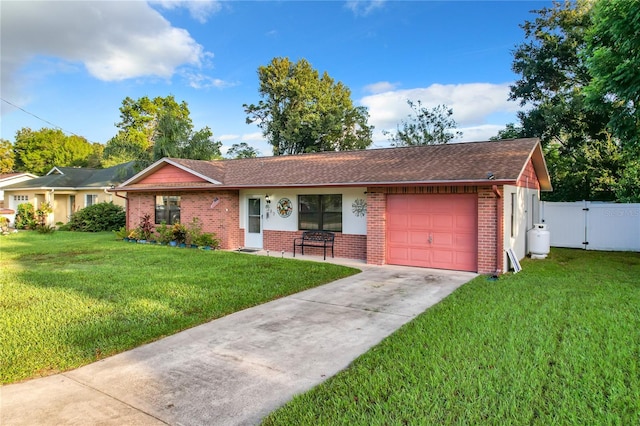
<point>450,163</point>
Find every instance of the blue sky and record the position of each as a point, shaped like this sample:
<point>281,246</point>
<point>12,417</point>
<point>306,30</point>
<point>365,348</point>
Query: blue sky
<point>72,63</point>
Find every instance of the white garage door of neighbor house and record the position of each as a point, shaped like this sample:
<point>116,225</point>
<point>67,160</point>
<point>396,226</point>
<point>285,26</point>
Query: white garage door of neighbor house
<point>433,231</point>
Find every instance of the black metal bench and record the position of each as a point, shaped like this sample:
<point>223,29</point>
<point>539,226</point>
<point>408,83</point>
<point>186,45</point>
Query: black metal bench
<point>323,239</point>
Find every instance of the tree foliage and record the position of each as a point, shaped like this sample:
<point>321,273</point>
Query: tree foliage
<point>7,158</point>
<point>38,151</point>
<point>154,128</point>
<point>175,138</point>
<point>584,160</point>
<point>242,150</point>
<point>425,126</point>
<point>301,111</point>
<point>613,59</point>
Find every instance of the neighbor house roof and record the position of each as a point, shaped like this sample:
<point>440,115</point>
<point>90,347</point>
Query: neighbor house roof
<point>78,178</point>
<point>461,163</point>
<point>8,177</point>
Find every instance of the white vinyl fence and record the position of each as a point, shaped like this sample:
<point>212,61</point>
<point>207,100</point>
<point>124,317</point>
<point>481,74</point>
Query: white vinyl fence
<point>593,225</point>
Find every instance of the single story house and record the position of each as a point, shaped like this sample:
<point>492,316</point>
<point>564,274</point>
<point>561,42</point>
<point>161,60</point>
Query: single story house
<point>7,179</point>
<point>69,189</point>
<point>454,206</point>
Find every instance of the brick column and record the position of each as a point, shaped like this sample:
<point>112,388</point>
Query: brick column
<point>490,232</point>
<point>376,227</point>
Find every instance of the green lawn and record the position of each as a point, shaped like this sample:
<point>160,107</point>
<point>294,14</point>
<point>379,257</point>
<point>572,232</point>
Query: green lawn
<point>558,343</point>
<point>68,299</point>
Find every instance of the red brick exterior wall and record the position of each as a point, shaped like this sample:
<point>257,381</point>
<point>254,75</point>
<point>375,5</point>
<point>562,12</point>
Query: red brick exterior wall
<point>376,226</point>
<point>490,231</point>
<point>528,178</point>
<point>223,219</point>
<point>345,245</point>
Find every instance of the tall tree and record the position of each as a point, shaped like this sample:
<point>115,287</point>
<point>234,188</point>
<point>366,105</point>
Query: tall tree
<point>38,151</point>
<point>302,111</point>
<point>138,127</point>
<point>154,128</point>
<point>425,126</point>
<point>613,60</point>
<point>242,150</point>
<point>584,161</point>
<point>175,138</point>
<point>7,158</point>
<point>509,132</point>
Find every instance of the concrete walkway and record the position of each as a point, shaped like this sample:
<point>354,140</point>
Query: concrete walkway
<point>237,369</point>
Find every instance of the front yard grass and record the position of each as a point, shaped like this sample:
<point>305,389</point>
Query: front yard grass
<point>558,343</point>
<point>68,299</point>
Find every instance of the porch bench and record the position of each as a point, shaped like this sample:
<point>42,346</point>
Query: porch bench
<point>323,239</point>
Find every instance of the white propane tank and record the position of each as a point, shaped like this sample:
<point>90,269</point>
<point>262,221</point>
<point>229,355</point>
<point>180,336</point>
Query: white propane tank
<point>539,241</point>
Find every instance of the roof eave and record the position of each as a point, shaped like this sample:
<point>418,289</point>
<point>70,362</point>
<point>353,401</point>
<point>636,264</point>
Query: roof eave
<point>476,182</point>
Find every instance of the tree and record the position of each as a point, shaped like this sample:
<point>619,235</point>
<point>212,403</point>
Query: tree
<point>424,126</point>
<point>153,129</point>
<point>302,111</point>
<point>242,150</point>
<point>175,138</point>
<point>138,127</point>
<point>38,151</point>
<point>585,162</point>
<point>509,132</point>
<point>613,59</point>
<point>7,158</point>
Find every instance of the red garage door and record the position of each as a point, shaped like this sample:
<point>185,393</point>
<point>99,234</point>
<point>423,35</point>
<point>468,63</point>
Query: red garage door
<point>433,231</point>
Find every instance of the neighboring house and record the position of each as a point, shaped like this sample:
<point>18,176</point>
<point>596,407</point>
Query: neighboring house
<point>10,179</point>
<point>69,189</point>
<point>454,206</point>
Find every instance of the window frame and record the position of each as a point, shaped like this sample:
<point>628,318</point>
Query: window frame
<point>325,219</point>
<point>168,214</point>
<point>92,197</point>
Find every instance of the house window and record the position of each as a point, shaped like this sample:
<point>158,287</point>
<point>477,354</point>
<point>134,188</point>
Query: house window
<point>320,212</point>
<point>90,200</point>
<point>19,198</point>
<point>167,209</point>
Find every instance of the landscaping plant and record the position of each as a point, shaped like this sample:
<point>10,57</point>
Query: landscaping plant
<point>98,217</point>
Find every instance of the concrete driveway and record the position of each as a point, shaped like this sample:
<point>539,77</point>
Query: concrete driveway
<point>237,369</point>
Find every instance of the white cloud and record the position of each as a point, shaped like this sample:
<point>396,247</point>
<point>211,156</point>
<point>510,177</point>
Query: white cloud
<point>473,106</point>
<point>363,7</point>
<point>113,40</point>
<point>200,10</point>
<point>380,87</point>
<point>230,137</point>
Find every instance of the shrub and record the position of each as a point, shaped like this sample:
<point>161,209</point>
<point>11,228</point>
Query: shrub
<point>194,231</point>
<point>25,217</point>
<point>179,233</point>
<point>98,217</point>
<point>42,213</point>
<point>146,227</point>
<point>165,233</point>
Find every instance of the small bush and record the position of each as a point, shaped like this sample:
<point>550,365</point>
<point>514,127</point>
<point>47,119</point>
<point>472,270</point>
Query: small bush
<point>26,216</point>
<point>98,217</point>
<point>165,233</point>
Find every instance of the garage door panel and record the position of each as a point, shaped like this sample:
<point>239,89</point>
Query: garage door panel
<point>443,221</point>
<point>433,230</point>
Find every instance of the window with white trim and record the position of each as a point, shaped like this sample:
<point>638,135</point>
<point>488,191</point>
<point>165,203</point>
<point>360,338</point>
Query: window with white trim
<point>90,199</point>
<point>320,212</point>
<point>18,198</point>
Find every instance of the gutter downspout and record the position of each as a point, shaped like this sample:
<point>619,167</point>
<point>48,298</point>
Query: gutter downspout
<point>126,207</point>
<point>500,232</point>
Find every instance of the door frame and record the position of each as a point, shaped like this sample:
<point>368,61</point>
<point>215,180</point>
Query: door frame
<point>254,239</point>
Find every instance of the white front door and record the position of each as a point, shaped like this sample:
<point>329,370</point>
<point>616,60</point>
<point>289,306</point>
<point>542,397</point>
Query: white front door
<point>253,235</point>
